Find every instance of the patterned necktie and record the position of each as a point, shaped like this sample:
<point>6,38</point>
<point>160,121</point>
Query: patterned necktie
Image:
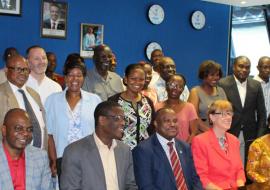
<point>223,144</point>
<point>177,169</point>
<point>35,123</point>
<point>53,25</point>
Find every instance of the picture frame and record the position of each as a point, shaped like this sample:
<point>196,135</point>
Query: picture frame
<point>53,19</point>
<point>91,36</point>
<point>11,7</point>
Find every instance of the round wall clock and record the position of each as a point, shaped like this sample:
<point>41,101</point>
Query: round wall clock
<point>150,48</point>
<point>156,14</point>
<point>198,20</point>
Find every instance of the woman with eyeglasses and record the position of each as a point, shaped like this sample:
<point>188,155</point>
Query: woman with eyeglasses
<point>138,108</point>
<point>186,113</point>
<point>69,114</point>
<point>258,164</point>
<point>207,92</point>
<point>216,152</point>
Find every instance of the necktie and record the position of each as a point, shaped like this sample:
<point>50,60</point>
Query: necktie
<point>53,26</point>
<point>177,169</point>
<point>35,123</point>
<point>223,144</point>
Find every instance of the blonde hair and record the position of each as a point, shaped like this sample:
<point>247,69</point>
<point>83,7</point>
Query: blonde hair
<point>219,105</point>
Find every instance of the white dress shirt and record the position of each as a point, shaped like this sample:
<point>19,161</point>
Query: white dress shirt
<point>266,92</point>
<point>37,110</point>
<point>45,88</point>
<point>108,162</point>
<point>242,90</point>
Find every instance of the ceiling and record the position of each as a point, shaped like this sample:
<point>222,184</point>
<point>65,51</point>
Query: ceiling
<point>241,3</point>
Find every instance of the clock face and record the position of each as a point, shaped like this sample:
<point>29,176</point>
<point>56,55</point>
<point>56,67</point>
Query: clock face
<point>198,20</point>
<point>156,14</point>
<point>151,47</point>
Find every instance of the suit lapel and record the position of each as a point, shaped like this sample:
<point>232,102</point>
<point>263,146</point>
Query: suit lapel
<point>118,154</point>
<point>11,98</point>
<point>214,143</point>
<point>160,153</point>
<point>248,94</point>
<point>29,167</point>
<point>5,176</point>
<point>235,94</point>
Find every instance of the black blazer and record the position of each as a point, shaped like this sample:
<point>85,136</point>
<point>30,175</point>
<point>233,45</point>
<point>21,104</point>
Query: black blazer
<point>252,117</point>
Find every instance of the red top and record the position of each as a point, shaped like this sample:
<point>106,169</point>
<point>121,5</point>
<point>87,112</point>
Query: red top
<point>17,170</point>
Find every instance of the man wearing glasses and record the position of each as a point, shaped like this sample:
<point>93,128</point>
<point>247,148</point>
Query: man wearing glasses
<point>14,94</point>
<point>100,161</point>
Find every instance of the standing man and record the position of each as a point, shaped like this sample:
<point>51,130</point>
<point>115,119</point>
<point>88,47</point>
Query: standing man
<point>54,22</point>
<point>246,96</point>
<point>156,55</point>
<point>22,166</point>
<point>167,68</point>
<point>15,94</point>
<point>100,80</point>
<point>100,161</point>
<point>163,162</point>
<point>263,77</point>
<point>38,62</point>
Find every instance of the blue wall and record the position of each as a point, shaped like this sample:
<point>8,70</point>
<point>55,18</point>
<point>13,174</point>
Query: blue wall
<point>127,31</point>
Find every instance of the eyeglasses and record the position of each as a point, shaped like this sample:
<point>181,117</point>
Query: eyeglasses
<point>175,86</point>
<point>116,118</point>
<point>20,129</point>
<point>19,69</point>
<point>224,114</point>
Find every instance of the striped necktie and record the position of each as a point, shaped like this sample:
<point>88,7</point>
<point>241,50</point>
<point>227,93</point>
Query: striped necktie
<point>177,169</point>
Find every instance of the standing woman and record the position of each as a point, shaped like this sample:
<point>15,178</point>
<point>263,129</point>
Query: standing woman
<point>204,95</point>
<point>216,153</point>
<point>185,111</point>
<point>138,108</point>
<point>69,114</point>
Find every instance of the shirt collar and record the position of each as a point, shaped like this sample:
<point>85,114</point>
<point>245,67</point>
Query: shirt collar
<point>101,145</point>
<point>163,141</point>
<point>239,83</point>
<point>15,88</point>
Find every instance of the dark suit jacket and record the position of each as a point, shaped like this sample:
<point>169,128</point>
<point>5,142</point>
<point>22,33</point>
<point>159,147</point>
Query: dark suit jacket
<point>12,5</point>
<point>82,166</point>
<point>252,117</point>
<point>153,170</point>
<point>47,24</point>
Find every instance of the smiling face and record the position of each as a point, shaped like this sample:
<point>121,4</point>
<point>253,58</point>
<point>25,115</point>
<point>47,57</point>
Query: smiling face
<point>166,123</point>
<point>17,131</point>
<point>167,67</point>
<point>74,80</point>
<point>212,79</point>
<point>38,61</point>
<point>175,87</point>
<point>54,12</point>
<point>148,74</point>
<point>264,68</point>
<point>102,58</point>
<point>135,80</point>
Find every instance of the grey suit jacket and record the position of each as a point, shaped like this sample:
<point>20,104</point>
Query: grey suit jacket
<point>252,117</point>
<point>82,166</point>
<point>38,173</point>
<point>8,101</point>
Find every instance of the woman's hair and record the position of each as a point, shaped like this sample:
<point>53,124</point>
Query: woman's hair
<point>76,63</point>
<point>73,57</point>
<point>219,105</point>
<point>207,67</point>
<point>179,75</point>
<point>132,67</point>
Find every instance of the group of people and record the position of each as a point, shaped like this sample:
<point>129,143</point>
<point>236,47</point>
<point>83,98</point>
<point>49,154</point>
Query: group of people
<point>96,130</point>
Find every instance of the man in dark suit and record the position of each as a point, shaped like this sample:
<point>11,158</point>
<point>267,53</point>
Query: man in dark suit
<point>99,161</point>
<point>155,162</point>
<point>8,4</point>
<point>246,96</point>
<point>54,22</point>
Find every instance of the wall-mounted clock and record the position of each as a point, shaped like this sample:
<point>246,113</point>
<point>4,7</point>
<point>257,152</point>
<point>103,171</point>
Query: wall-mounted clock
<point>156,14</point>
<point>198,20</point>
<point>150,48</point>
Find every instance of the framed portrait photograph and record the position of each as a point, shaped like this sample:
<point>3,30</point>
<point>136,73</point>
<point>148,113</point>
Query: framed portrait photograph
<point>91,36</point>
<point>11,7</point>
<point>53,19</point>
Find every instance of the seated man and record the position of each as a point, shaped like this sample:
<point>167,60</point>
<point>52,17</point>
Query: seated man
<point>163,162</point>
<point>99,161</point>
<point>22,166</point>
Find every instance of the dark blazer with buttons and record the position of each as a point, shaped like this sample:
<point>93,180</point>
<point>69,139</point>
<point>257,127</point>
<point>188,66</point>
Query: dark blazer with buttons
<point>153,170</point>
<point>252,117</point>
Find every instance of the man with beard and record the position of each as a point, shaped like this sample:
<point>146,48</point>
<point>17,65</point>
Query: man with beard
<point>246,96</point>
<point>15,94</point>
<point>100,80</point>
<point>101,160</point>
<point>22,165</point>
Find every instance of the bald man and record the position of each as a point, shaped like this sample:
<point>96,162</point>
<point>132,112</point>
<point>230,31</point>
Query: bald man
<point>155,162</point>
<point>263,77</point>
<point>22,166</point>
